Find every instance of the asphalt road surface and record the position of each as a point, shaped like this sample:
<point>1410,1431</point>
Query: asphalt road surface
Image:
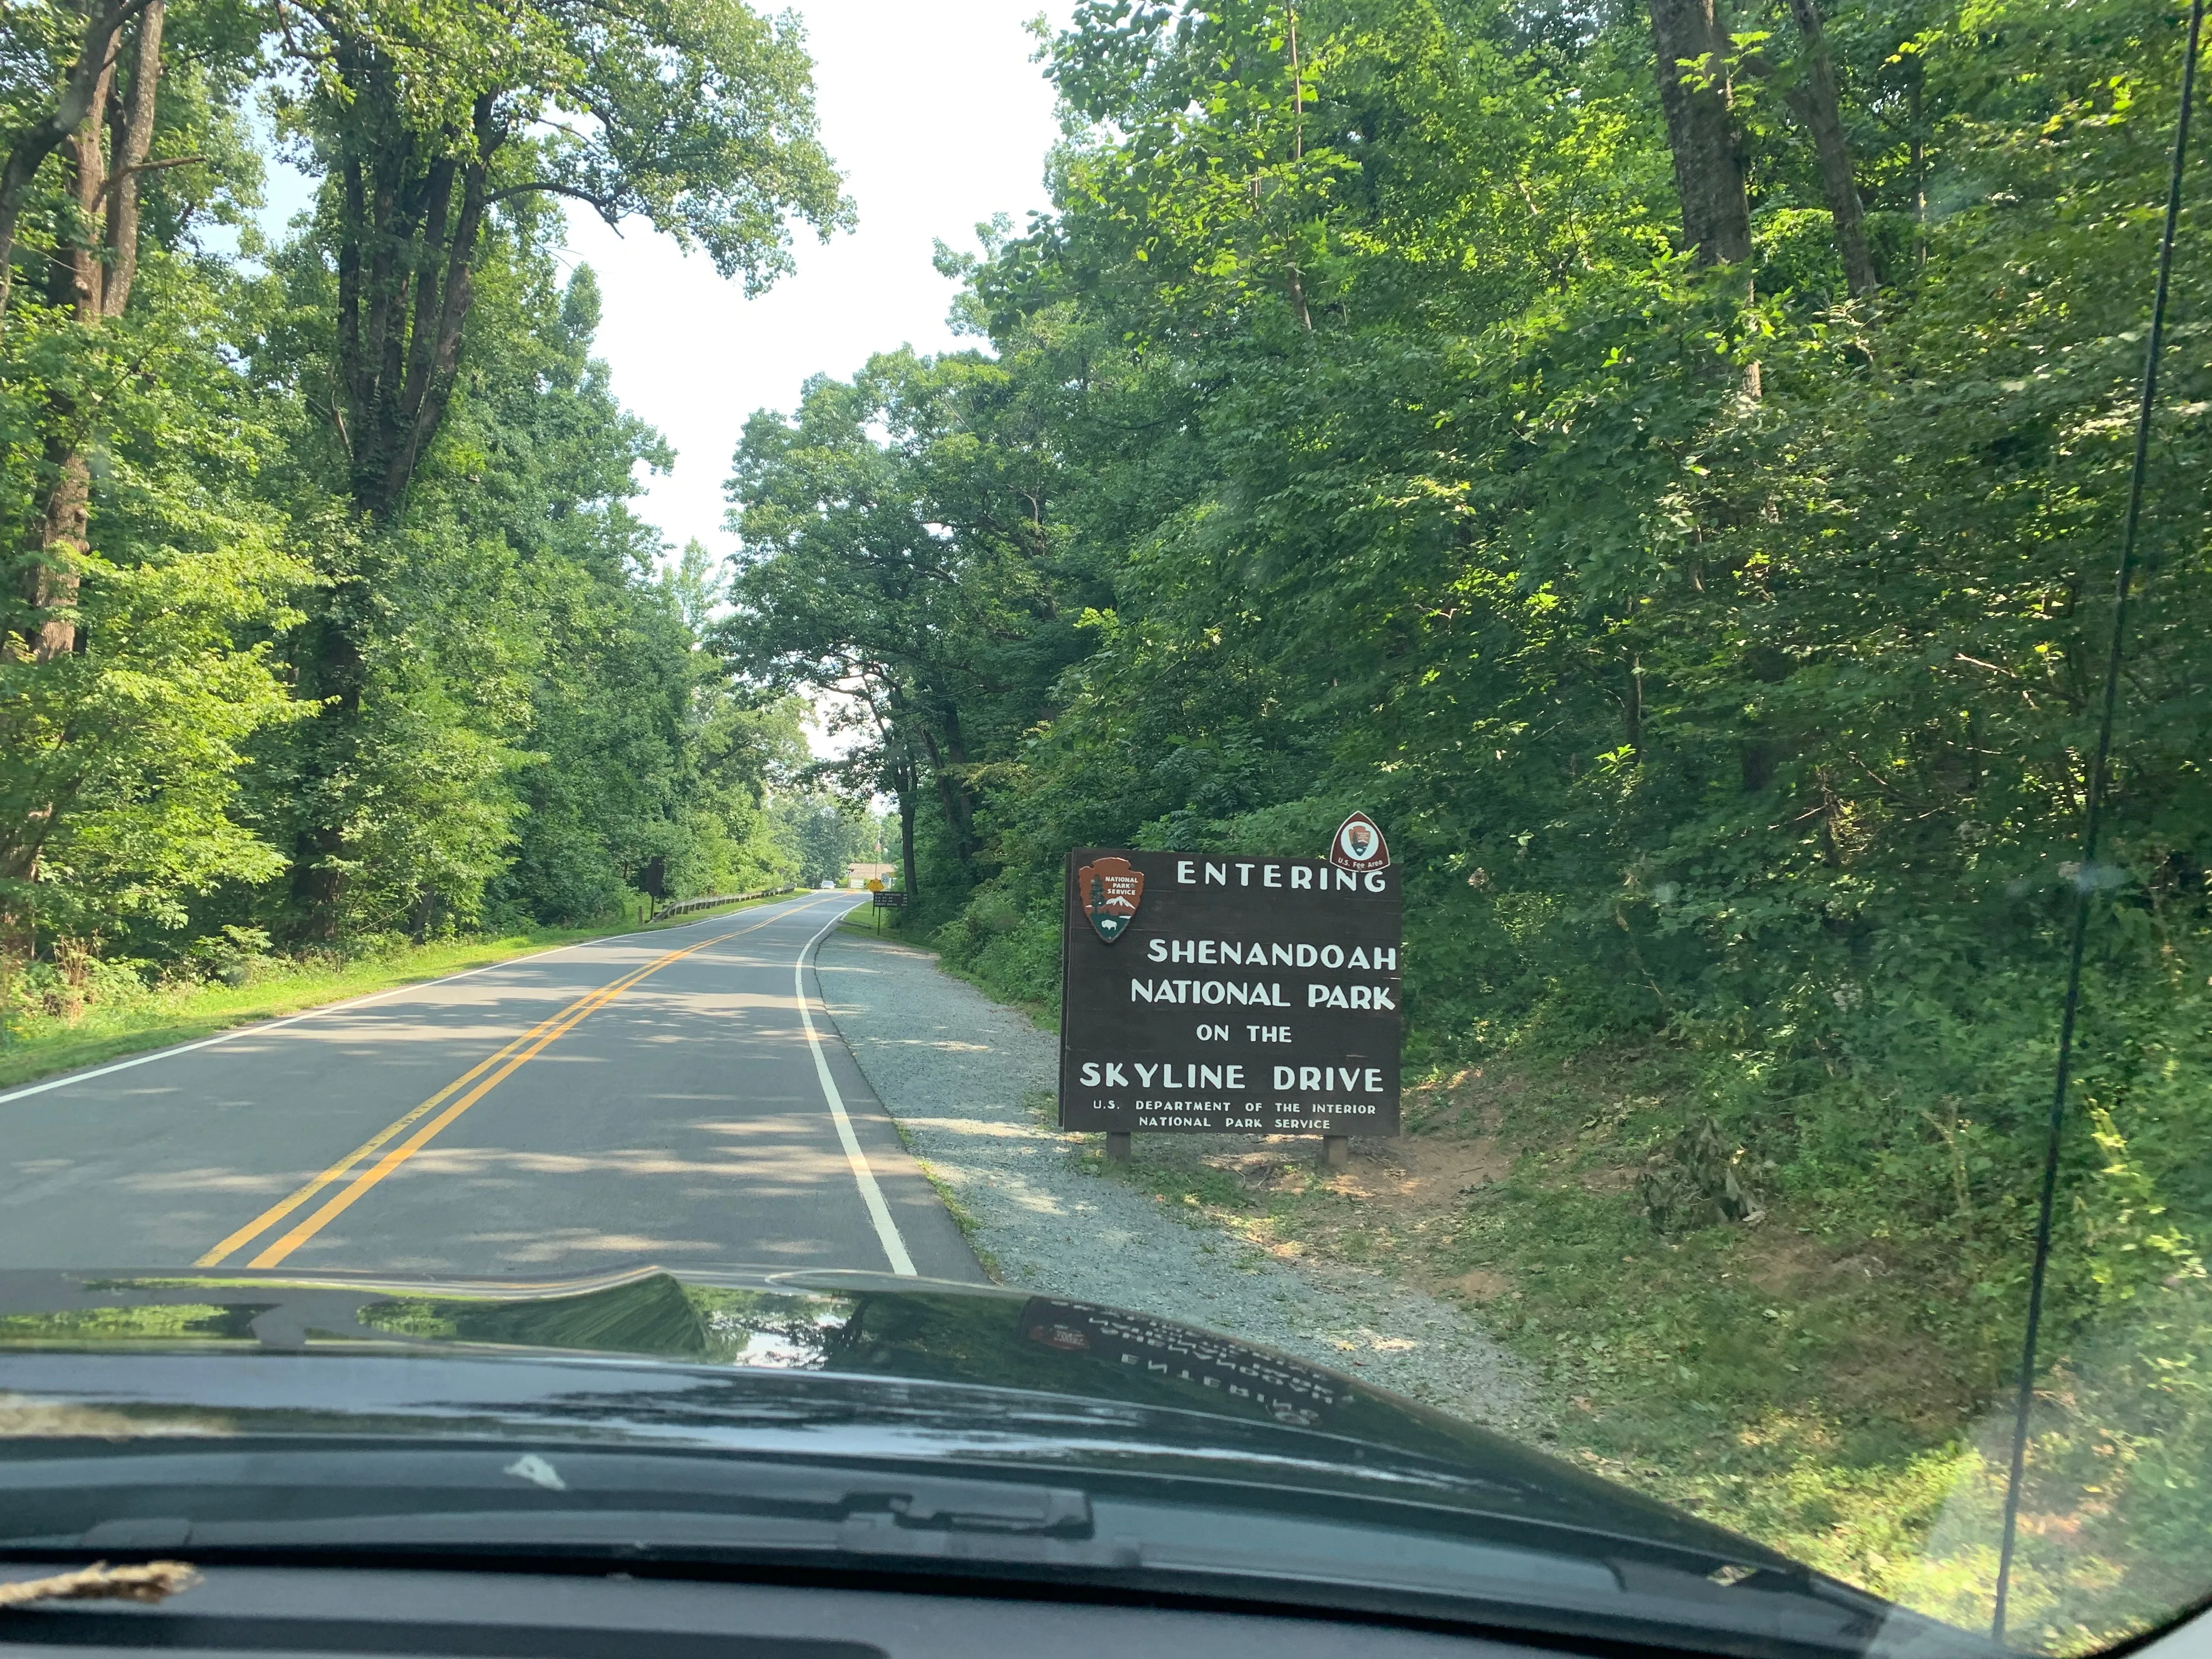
<point>657,1097</point>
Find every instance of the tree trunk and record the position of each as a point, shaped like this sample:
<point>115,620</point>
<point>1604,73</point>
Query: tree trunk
<point>906,837</point>
<point>93,280</point>
<point>84,90</point>
<point>1919,164</point>
<point>133,138</point>
<point>53,581</point>
<point>1692,50</point>
<point>951,792</point>
<point>406,269</point>
<point>80,273</point>
<point>406,260</point>
<point>1631,708</point>
<point>78,282</point>
<point>1819,104</point>
<point>333,672</point>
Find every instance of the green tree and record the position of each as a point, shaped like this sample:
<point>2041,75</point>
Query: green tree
<point>427,125</point>
<point>138,603</point>
<point>825,836</point>
<point>913,575</point>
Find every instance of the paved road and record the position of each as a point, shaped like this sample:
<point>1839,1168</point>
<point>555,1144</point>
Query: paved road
<point>652,1098</point>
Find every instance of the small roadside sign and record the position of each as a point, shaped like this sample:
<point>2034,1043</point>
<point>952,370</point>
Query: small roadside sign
<point>887,900</point>
<point>875,883</point>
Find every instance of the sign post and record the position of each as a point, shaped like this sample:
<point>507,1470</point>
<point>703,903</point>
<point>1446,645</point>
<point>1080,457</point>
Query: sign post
<point>1231,994</point>
<point>885,900</point>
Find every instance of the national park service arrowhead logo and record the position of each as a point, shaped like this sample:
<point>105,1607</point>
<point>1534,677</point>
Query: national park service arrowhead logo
<point>1359,845</point>
<point>1109,891</point>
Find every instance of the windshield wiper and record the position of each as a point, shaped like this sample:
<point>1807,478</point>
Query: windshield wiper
<point>222,1498</point>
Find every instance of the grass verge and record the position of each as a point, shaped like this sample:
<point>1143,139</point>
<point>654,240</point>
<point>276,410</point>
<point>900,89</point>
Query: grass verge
<point>159,1018</point>
<point>862,920</point>
<point>1836,1397</point>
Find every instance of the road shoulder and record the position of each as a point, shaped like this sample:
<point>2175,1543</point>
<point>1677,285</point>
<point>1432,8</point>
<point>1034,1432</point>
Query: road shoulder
<point>970,1084</point>
<point>928,1224</point>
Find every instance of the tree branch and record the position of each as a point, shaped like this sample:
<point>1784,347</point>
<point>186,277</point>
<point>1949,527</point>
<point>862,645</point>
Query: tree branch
<point>605,204</point>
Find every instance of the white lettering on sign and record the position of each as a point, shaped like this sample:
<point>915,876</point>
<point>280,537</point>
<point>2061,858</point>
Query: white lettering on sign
<point>1229,952</point>
<point>1355,996</point>
<point>1301,876</point>
<point>1273,874</point>
<point>1169,1076</point>
<point>1256,994</point>
<point>1367,1079</point>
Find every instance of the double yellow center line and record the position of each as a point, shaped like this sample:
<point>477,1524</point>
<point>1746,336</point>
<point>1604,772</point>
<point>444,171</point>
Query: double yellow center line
<point>485,1076</point>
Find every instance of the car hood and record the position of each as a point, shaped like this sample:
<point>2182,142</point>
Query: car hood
<point>803,1363</point>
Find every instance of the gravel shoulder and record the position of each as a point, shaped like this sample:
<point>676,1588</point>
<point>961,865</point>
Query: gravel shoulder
<point>970,1084</point>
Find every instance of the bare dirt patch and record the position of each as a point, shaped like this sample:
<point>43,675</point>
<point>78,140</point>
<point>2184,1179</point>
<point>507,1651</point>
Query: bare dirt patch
<point>1781,1258</point>
<point>1415,1179</point>
<point>1483,1286</point>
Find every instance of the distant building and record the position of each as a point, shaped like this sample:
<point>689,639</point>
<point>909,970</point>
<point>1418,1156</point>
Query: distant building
<point>860,875</point>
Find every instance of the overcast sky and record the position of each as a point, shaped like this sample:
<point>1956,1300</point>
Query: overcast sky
<point>938,119</point>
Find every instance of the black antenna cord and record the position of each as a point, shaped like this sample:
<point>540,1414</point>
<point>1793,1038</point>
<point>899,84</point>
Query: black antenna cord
<point>2085,881</point>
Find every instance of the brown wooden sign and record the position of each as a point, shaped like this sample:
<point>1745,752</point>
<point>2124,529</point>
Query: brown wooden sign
<point>1252,994</point>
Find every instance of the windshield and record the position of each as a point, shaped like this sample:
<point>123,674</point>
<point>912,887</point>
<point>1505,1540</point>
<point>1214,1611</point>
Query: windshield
<point>1469,727</point>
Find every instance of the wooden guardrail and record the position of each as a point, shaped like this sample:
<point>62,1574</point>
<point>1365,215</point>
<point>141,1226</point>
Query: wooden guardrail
<point>660,911</point>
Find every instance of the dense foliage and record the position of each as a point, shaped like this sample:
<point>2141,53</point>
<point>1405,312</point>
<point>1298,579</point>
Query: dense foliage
<point>325,617</point>
<point>1700,559</point>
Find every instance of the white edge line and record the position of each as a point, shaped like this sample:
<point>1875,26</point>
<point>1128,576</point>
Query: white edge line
<point>260,1026</point>
<point>887,1230</point>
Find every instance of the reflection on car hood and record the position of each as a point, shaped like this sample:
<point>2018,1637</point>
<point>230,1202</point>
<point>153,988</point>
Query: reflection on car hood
<point>842,1363</point>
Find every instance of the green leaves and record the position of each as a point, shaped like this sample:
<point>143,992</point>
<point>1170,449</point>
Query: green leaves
<point>899,552</point>
<point>120,766</point>
<point>699,117</point>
